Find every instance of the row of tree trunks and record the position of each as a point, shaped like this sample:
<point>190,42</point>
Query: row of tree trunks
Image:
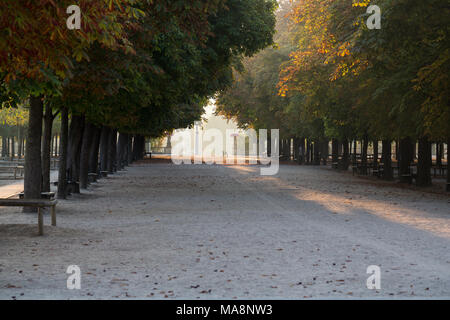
<point>78,149</point>
<point>9,146</point>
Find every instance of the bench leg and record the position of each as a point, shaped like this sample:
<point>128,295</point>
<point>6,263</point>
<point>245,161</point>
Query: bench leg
<point>40,222</point>
<point>53,212</point>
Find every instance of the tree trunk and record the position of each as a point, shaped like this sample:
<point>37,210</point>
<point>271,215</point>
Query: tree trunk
<point>121,150</point>
<point>19,142</point>
<point>448,165</point>
<point>405,159</point>
<point>269,143</point>
<point>112,143</point>
<point>324,152</point>
<point>365,146</point>
<point>104,140</point>
<point>334,151</point>
<point>139,147</point>
<point>13,149</point>
<point>345,155</point>
<point>55,145</point>
<point>130,149</point>
<point>296,145</point>
<point>317,146</point>
<point>46,141</point>
<point>424,163</point>
<point>74,145</point>
<point>135,147</point>
<point>439,153</point>
<point>93,153</point>
<point>375,153</point>
<point>387,160</point>
<point>33,173</point>
<point>4,144</point>
<point>84,154</point>
<point>63,146</point>
<point>301,151</point>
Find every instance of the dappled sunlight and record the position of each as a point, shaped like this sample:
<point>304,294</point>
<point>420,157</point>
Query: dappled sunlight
<point>421,219</point>
<point>436,221</point>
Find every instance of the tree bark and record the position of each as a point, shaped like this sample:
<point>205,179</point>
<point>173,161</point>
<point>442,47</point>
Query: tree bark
<point>130,150</point>
<point>93,153</point>
<point>301,151</point>
<point>334,151</point>
<point>317,147</point>
<point>439,153</point>
<point>448,165</point>
<point>19,142</point>
<point>121,150</point>
<point>365,146</point>
<point>33,173</point>
<point>405,159</point>
<point>84,154</point>
<point>375,153</point>
<point>46,148</point>
<point>63,145</point>
<point>112,145</point>
<point>387,160</point>
<point>324,152</point>
<point>74,145</point>
<point>345,155</point>
<point>424,163</point>
<point>13,149</point>
<point>104,140</point>
<point>4,144</point>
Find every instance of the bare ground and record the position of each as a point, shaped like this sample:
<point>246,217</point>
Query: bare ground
<point>221,232</point>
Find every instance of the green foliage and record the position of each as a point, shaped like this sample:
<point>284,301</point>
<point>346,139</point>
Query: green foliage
<point>342,80</point>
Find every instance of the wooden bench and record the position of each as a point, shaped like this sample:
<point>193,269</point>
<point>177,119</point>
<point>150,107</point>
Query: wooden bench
<point>44,195</point>
<point>92,177</point>
<point>14,170</point>
<point>72,187</point>
<point>40,204</point>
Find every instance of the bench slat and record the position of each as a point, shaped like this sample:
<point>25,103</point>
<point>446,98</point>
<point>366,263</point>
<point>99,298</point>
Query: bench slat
<point>27,203</point>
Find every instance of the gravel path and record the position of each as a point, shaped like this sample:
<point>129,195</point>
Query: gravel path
<point>212,232</point>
